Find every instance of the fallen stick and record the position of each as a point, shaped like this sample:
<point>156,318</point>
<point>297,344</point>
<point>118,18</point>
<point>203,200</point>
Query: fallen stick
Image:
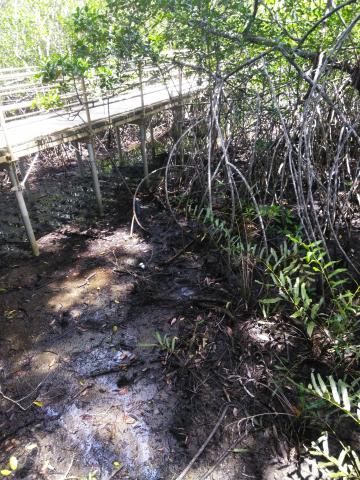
<point>222,457</point>
<point>87,280</point>
<point>217,308</point>
<point>204,445</point>
<point>171,259</point>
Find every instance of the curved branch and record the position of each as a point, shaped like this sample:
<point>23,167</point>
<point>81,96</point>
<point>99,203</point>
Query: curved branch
<point>322,20</point>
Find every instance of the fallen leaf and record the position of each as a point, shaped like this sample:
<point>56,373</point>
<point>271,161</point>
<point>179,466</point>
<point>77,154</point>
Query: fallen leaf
<point>6,473</point>
<point>296,410</point>
<point>13,463</point>
<point>38,403</point>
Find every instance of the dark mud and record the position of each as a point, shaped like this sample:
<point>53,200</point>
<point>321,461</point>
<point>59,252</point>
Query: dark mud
<point>77,338</point>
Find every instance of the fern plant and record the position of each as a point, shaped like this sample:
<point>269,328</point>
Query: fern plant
<point>242,256</point>
<point>345,465</point>
<point>339,396</point>
<point>294,280</point>
<point>296,272</point>
<point>166,342</point>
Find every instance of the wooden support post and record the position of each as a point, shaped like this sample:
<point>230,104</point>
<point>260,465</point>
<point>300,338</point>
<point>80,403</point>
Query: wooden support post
<point>91,151</point>
<point>152,139</point>
<point>23,176</point>
<point>181,115</point>
<point>119,146</point>
<point>95,178</point>
<point>143,130</point>
<point>18,191</point>
<point>23,209</point>
<point>79,161</point>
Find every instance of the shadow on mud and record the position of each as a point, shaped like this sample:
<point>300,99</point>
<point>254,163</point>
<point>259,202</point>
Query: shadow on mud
<point>77,336</point>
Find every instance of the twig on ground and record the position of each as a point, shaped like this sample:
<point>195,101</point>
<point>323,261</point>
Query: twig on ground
<point>182,250</point>
<point>65,476</point>
<point>223,456</point>
<point>18,402</point>
<point>86,280</point>
<point>15,402</point>
<point>204,445</point>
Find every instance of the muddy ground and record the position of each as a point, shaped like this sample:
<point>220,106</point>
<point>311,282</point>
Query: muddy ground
<point>97,395</point>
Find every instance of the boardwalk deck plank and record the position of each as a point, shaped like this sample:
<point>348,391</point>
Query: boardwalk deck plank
<point>38,132</point>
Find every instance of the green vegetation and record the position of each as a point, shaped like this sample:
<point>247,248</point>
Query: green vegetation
<point>343,400</point>
<point>269,156</point>
<point>32,30</point>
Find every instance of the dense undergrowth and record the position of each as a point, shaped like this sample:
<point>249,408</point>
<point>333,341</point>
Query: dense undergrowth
<point>295,282</point>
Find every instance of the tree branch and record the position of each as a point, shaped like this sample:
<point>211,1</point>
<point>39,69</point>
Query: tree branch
<point>325,17</point>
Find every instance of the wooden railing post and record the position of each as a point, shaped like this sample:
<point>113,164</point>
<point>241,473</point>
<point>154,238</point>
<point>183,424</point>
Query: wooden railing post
<point>18,190</point>
<point>181,115</point>
<point>22,170</point>
<point>143,129</point>
<point>91,150</point>
<point>152,139</point>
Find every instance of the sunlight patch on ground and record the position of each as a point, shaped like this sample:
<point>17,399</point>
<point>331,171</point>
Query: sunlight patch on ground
<point>75,290</point>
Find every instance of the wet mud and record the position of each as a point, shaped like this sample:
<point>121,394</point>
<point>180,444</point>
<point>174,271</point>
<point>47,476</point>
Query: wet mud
<point>97,395</point>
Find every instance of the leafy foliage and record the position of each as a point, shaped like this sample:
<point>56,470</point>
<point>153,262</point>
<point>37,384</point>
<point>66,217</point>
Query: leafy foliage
<point>32,29</point>
<point>337,394</point>
<point>297,272</point>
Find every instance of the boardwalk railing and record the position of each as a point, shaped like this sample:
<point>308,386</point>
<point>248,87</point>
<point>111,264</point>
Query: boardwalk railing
<point>32,128</point>
<point>78,111</point>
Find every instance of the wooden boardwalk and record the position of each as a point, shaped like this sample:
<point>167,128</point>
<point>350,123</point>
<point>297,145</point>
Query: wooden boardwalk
<point>25,132</point>
<point>46,130</point>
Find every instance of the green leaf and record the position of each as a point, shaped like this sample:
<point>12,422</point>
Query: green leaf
<point>5,472</point>
<point>337,272</point>
<point>338,283</point>
<point>345,396</point>
<point>329,264</point>
<point>334,390</point>
<point>315,385</point>
<point>310,328</point>
<point>304,294</point>
<point>342,456</point>
<point>323,387</point>
<point>271,300</point>
<point>314,310</point>
<point>38,403</point>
